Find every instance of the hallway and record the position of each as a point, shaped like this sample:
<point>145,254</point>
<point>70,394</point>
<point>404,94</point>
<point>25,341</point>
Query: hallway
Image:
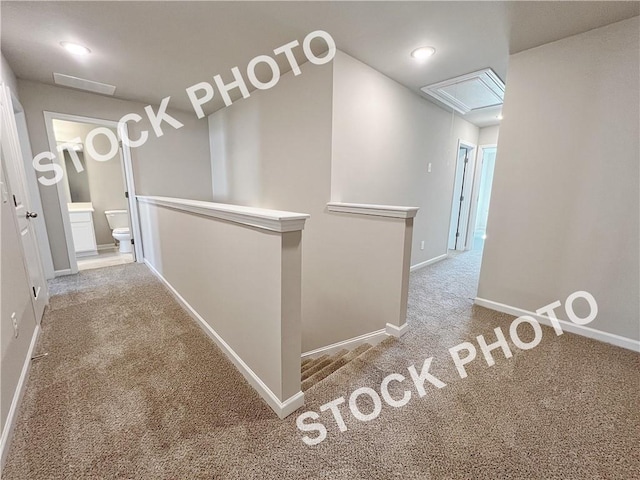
<point>132,388</point>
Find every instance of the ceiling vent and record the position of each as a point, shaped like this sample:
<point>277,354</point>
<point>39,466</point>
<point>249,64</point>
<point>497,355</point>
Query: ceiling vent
<point>472,91</point>
<point>83,84</point>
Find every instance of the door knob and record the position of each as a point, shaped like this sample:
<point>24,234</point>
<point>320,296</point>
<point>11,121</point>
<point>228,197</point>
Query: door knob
<point>32,214</point>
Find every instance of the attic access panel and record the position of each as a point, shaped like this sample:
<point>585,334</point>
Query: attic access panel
<point>472,91</point>
<point>83,84</point>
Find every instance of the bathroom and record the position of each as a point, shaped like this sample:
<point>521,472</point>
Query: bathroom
<point>95,191</point>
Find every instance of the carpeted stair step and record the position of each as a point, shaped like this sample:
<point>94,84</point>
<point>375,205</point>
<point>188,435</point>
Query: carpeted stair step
<point>306,362</point>
<point>320,365</point>
<point>340,354</point>
<point>314,362</point>
<point>321,373</point>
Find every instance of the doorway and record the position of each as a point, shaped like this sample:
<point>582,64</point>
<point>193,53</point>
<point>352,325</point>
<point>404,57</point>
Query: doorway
<point>96,193</point>
<point>487,163</point>
<point>462,195</point>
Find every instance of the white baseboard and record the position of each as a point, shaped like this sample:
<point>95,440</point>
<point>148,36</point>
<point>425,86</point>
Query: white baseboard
<point>282,408</point>
<point>61,273</point>
<point>107,246</point>
<point>372,338</point>
<point>395,331</point>
<point>426,263</point>
<point>9,424</point>
<point>611,338</point>
<point>87,253</point>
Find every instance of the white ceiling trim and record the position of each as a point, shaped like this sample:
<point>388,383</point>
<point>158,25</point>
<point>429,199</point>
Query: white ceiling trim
<point>473,91</point>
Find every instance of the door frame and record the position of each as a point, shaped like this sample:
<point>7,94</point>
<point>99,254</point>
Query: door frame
<point>465,208</point>
<point>125,159</point>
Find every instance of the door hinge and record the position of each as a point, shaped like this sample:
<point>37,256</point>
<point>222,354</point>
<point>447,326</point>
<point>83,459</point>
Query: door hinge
<point>15,202</point>
<point>132,242</point>
<point>126,194</point>
<point>461,198</point>
<point>457,234</point>
<point>35,295</point>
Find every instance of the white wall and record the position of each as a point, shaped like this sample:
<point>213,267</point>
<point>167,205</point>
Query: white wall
<point>273,150</point>
<point>243,281</point>
<point>384,136</point>
<point>7,75</point>
<point>15,297</point>
<point>565,205</point>
<point>177,164</point>
<point>489,135</point>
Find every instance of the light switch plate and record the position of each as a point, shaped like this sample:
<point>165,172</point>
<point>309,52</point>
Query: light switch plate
<point>14,320</point>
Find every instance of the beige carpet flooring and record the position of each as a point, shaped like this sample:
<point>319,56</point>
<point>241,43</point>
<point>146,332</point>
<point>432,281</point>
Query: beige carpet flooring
<point>133,389</point>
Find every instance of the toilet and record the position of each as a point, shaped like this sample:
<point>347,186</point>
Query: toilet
<point>119,225</point>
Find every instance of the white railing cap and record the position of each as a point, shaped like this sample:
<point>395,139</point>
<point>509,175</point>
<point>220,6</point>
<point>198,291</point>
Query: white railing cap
<point>377,210</point>
<point>272,220</point>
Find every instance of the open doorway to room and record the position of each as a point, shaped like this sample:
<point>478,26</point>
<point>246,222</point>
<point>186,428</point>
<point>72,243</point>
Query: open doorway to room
<point>462,194</point>
<point>471,196</point>
<point>95,193</point>
<point>469,214</point>
<point>481,196</point>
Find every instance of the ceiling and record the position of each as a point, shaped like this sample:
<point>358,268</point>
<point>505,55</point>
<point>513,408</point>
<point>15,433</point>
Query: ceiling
<point>151,50</point>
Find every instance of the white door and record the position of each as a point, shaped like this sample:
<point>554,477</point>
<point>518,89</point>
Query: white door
<point>15,177</point>
<point>32,189</point>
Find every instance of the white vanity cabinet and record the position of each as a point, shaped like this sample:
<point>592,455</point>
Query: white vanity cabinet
<point>82,229</point>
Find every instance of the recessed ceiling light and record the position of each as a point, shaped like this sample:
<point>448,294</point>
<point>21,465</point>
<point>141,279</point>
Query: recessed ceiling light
<point>423,52</point>
<point>75,48</point>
